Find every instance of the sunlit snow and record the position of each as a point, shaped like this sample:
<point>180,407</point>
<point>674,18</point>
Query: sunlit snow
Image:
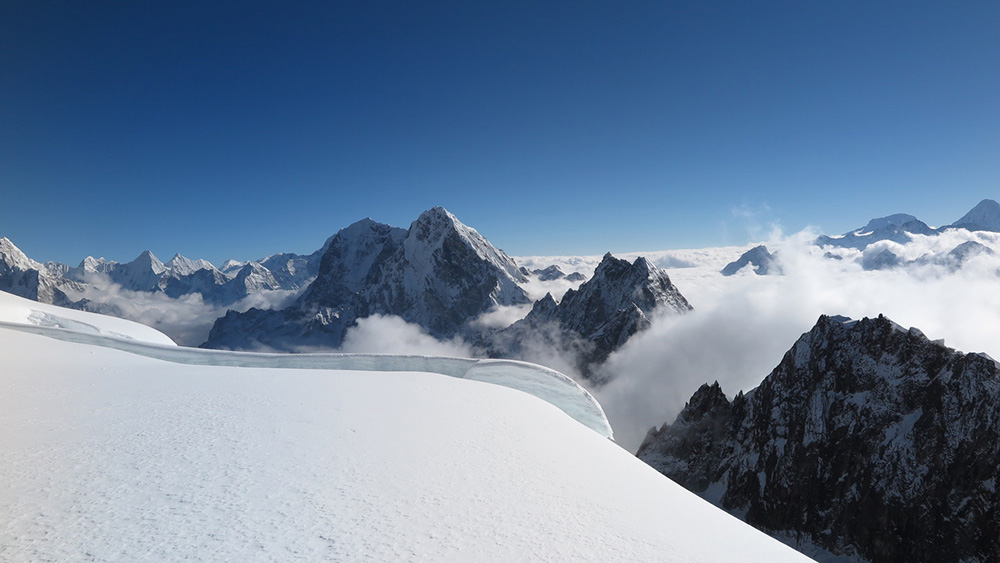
<point>111,456</point>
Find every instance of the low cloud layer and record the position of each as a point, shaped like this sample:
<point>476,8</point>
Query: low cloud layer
<point>187,320</point>
<point>742,325</point>
<point>738,332</point>
<point>381,334</point>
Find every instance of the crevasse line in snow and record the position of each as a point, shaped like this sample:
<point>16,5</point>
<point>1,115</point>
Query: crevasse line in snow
<point>549,385</point>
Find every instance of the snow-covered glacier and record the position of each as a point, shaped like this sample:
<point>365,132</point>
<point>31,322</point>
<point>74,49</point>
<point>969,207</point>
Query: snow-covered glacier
<point>73,326</point>
<point>111,455</point>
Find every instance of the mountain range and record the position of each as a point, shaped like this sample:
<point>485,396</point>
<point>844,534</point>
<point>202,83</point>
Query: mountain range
<point>439,274</point>
<point>899,228</point>
<point>442,275</point>
<point>985,216</point>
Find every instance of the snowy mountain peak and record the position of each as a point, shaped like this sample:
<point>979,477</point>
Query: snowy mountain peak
<point>985,216</point>
<point>91,264</point>
<point>437,227</point>
<point>181,266</point>
<point>897,228</point>
<point>12,257</point>
<point>147,261</point>
<point>888,222</point>
<point>616,283</point>
<point>605,311</point>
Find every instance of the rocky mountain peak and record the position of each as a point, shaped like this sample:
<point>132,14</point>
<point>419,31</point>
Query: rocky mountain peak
<point>868,441</point>
<point>758,257</point>
<point>439,233</point>
<point>708,400</point>
<point>600,316</point>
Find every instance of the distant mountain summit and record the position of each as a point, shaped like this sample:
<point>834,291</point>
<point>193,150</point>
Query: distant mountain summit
<point>758,257</point>
<point>182,276</point>
<point>896,228</point>
<point>599,317</point>
<point>439,274</point>
<point>985,216</point>
<point>899,228</point>
<point>868,441</point>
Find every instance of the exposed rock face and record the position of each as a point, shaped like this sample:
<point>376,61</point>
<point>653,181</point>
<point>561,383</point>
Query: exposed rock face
<point>867,440</point>
<point>440,274</point>
<point>762,261</point>
<point>599,317</point>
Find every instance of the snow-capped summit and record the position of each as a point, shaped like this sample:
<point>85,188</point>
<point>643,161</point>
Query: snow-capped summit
<point>888,222</point>
<point>985,216</point>
<point>350,257</point>
<point>141,274</point>
<point>896,228</point>
<point>443,274</point>
<point>439,274</point>
<point>181,266</point>
<point>437,227</point>
<point>12,257</point>
<point>868,441</point>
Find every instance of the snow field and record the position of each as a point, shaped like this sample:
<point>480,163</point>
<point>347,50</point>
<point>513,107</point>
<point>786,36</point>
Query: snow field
<point>112,456</point>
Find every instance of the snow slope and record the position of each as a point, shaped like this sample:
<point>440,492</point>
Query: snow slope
<point>110,456</point>
<point>19,311</point>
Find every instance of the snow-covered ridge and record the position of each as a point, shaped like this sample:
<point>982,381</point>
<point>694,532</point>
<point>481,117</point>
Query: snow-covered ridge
<point>548,385</point>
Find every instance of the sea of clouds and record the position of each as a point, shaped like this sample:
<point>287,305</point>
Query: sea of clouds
<point>738,332</point>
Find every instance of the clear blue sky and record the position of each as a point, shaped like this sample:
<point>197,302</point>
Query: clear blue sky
<point>242,129</point>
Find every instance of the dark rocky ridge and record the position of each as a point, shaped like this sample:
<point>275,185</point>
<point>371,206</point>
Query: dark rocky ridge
<point>598,318</point>
<point>868,440</point>
<point>762,261</point>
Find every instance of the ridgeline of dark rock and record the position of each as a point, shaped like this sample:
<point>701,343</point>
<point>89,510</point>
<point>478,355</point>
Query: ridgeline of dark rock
<point>598,318</point>
<point>868,440</point>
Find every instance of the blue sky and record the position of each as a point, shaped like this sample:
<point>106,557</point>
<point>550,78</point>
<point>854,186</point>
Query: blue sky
<point>243,129</point>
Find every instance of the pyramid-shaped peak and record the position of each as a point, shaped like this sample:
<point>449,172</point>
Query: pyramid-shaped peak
<point>437,219</point>
<point>148,260</point>
<point>985,216</point>
<point>13,256</point>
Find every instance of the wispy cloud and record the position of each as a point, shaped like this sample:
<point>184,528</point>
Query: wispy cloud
<point>187,320</point>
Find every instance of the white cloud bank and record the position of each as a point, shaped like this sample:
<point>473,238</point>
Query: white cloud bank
<point>382,334</point>
<point>742,325</point>
<point>187,320</point>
